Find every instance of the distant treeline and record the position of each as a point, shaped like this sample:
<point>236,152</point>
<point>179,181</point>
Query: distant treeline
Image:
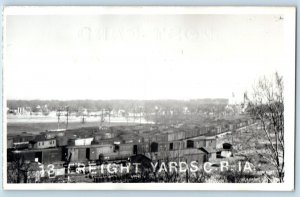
<point>128,105</point>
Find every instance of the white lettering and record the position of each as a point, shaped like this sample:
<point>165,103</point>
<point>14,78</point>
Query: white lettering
<point>173,165</point>
<point>205,167</point>
<point>224,165</point>
<point>163,167</point>
<point>136,167</point>
<point>194,166</point>
<point>183,167</point>
<point>154,166</point>
<point>125,168</point>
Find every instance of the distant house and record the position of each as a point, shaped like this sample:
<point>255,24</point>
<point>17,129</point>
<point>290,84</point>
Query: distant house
<point>121,113</point>
<point>23,111</point>
<point>37,111</point>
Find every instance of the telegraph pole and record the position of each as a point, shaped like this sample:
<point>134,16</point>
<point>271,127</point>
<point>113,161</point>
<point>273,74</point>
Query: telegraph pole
<point>58,118</point>
<point>83,119</point>
<point>140,115</point>
<point>67,117</point>
<point>102,118</point>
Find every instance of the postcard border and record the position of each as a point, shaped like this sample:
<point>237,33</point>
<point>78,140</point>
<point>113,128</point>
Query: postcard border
<point>288,12</point>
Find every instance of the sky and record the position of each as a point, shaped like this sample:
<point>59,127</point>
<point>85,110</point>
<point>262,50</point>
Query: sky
<point>69,57</point>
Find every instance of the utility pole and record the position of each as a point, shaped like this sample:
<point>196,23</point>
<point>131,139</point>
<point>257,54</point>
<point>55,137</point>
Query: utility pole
<point>67,117</point>
<point>58,118</point>
<point>83,119</point>
<point>109,110</point>
<point>140,115</point>
<point>134,113</point>
<point>156,111</point>
<point>102,118</point>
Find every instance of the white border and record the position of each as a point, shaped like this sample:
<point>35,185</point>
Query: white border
<point>289,14</point>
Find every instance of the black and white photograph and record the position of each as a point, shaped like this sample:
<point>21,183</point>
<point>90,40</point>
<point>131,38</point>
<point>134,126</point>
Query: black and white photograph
<point>149,98</point>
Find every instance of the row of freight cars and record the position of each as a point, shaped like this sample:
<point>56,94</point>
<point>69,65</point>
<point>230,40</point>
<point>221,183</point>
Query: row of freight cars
<point>61,141</point>
<point>110,152</point>
<point>114,151</point>
<point>82,149</point>
<point>202,131</point>
<point>63,138</point>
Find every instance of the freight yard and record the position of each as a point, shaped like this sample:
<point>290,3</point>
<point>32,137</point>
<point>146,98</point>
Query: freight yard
<point>81,154</point>
<point>204,140</point>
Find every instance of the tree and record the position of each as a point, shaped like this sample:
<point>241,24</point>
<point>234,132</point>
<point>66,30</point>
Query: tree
<point>267,106</point>
<point>19,169</point>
